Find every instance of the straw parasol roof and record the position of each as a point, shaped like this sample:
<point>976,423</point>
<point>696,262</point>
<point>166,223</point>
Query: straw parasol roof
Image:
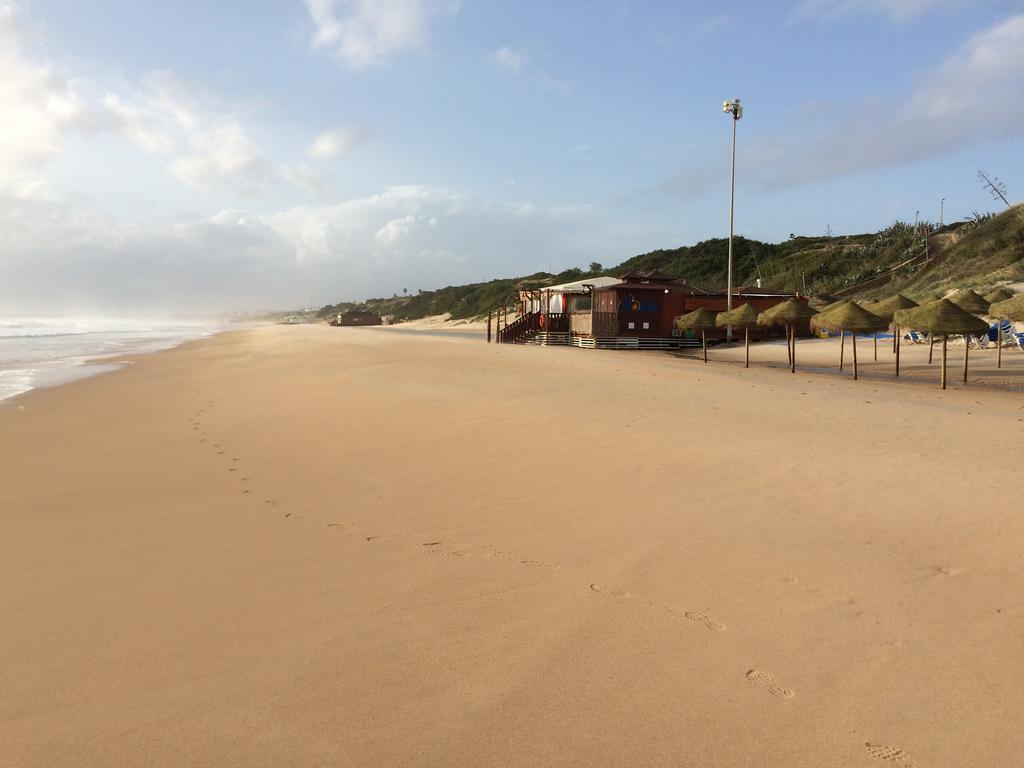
<point>788,311</point>
<point>943,317</point>
<point>833,305</point>
<point>850,317</point>
<point>1011,309</point>
<point>1002,293</point>
<point>971,301</point>
<point>699,318</point>
<point>743,315</point>
<point>940,317</point>
<point>888,307</point>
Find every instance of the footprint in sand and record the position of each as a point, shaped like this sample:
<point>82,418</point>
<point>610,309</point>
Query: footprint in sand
<point>889,754</point>
<point>702,618</point>
<point>601,588</point>
<point>767,680</point>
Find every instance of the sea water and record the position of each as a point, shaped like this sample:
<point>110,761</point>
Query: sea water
<point>45,351</point>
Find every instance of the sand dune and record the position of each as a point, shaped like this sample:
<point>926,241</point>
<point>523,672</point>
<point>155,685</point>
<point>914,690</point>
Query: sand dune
<point>301,546</point>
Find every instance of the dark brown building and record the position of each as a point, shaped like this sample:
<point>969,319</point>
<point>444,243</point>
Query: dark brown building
<point>357,318</point>
<point>643,306</point>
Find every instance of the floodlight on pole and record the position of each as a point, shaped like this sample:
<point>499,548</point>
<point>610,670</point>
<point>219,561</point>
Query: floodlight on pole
<point>734,108</point>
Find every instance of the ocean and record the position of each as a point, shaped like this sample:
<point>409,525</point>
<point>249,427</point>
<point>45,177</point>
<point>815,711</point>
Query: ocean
<point>46,351</point>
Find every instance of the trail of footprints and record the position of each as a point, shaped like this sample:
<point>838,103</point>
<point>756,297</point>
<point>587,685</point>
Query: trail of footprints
<point>757,677</point>
<point>766,680</point>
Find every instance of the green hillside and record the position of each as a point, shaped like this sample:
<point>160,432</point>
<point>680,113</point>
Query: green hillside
<point>978,253</point>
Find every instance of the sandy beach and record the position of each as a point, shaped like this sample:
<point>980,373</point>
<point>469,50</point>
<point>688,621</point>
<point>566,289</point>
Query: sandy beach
<point>313,546</point>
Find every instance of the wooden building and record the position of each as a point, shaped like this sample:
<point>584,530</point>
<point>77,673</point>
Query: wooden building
<point>357,318</point>
<point>634,311</point>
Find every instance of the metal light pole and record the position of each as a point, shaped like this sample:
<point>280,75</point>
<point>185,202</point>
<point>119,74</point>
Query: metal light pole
<point>734,108</point>
<point>942,211</point>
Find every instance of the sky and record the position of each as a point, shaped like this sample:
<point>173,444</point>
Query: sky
<point>200,156</point>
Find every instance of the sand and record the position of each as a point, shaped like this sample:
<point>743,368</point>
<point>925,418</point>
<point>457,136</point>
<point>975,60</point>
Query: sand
<point>310,546</point>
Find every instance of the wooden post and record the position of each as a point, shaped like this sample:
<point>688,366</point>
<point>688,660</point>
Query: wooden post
<point>967,353</point>
<point>793,366</point>
<point>842,347</point>
<point>746,344</point>
<point>853,339</point>
<point>489,327</point>
<point>876,346</point>
<point>931,346</point>
<point>999,342</point>
<point>897,330</point>
<point>704,343</point>
<point>944,362</point>
<point>895,339</point>
<point>789,347</point>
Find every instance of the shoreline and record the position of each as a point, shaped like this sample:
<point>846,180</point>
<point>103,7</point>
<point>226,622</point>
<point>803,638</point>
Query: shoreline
<point>914,372</point>
<point>62,371</point>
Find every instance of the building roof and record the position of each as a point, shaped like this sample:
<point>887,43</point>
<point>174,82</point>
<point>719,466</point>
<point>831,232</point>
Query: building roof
<point>646,276</point>
<point>577,286</point>
<point>753,290</point>
<point>674,287</point>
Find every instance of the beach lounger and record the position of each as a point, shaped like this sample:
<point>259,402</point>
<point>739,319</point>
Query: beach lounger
<point>978,342</point>
<point>916,336</point>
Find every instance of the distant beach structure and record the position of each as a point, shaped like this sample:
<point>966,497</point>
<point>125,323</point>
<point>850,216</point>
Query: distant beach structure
<point>357,318</point>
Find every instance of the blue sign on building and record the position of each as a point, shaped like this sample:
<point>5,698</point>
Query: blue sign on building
<point>633,304</point>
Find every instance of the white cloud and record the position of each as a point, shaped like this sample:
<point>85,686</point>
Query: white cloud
<point>976,94</point>
<point>507,59</point>
<point>336,142</point>
<point>207,143</point>
<point>39,107</point>
<point>364,33</point>
<point>307,179</point>
<point>414,236</point>
<point>897,10</point>
<point>396,229</point>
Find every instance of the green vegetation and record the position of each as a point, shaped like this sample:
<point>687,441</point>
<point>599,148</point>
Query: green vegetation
<point>978,253</point>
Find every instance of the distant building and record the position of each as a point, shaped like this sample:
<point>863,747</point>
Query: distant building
<point>357,318</point>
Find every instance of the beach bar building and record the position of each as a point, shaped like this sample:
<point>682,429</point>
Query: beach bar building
<point>636,310</point>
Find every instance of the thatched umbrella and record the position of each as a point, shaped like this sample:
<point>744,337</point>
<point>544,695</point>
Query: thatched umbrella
<point>1002,293</point>
<point>698,320</point>
<point>742,316</point>
<point>887,308</point>
<point>787,313</point>
<point>944,317</point>
<point>971,302</point>
<point>842,336</point>
<point>850,317</point>
<point>1008,309</point>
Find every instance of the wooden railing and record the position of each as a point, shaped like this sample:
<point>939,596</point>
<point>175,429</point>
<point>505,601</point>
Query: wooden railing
<point>533,323</point>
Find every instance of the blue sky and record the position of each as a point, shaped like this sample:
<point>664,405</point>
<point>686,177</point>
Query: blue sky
<point>192,156</point>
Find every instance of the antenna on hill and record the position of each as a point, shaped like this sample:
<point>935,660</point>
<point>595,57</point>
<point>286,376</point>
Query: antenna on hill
<point>995,187</point>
